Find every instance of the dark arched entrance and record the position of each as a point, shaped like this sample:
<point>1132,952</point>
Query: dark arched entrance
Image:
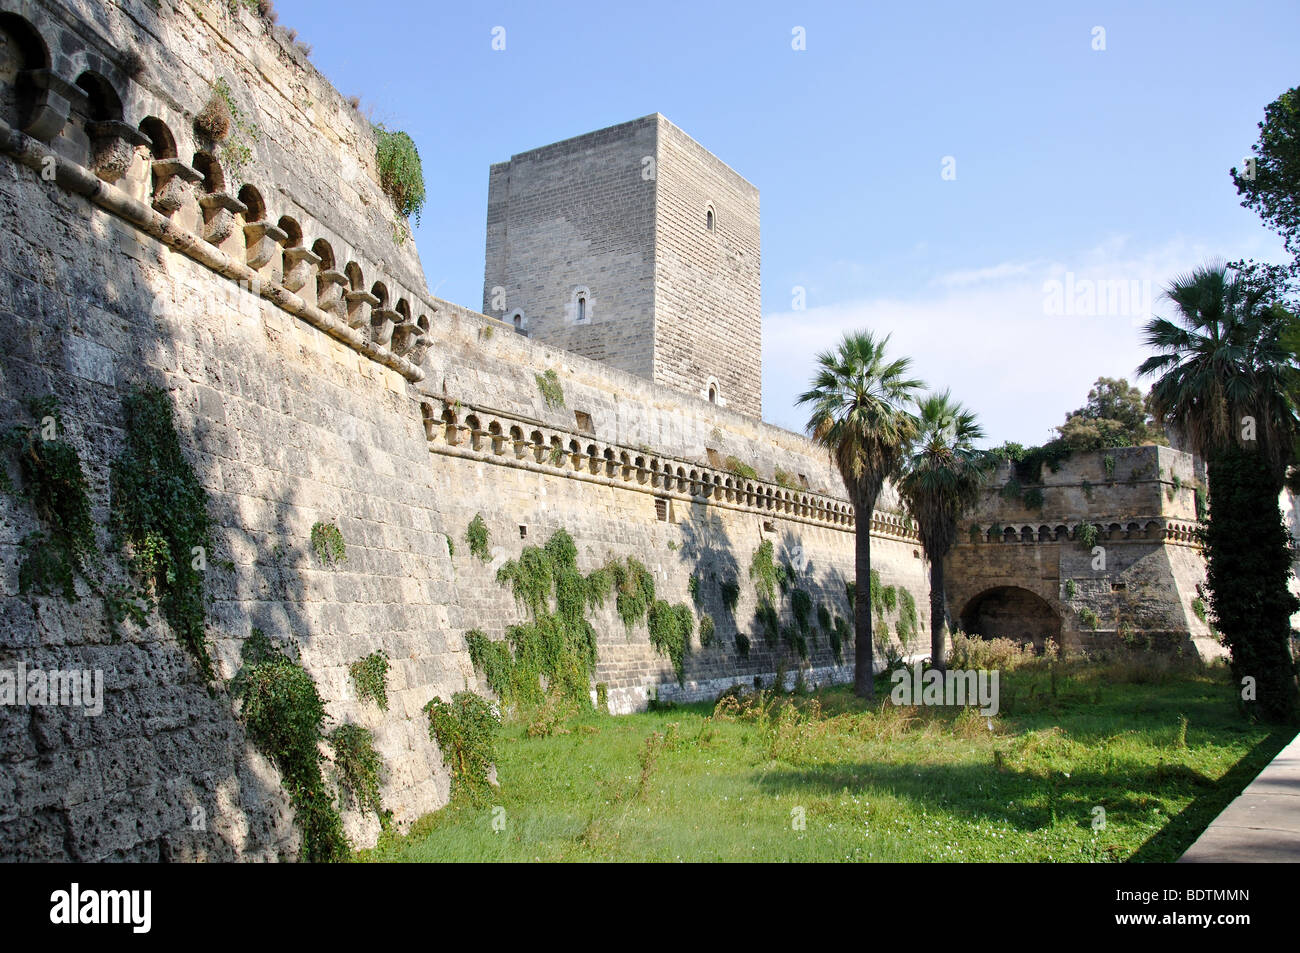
<point>1010,612</point>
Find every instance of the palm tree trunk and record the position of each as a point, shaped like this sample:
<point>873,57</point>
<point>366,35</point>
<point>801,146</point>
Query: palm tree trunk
<point>864,675</point>
<point>938,651</point>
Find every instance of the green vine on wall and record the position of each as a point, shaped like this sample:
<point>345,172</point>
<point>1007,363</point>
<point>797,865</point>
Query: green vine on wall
<point>53,481</point>
<point>466,730</point>
<point>370,675</point>
<point>327,543</point>
<point>401,174</point>
<point>707,629</point>
<point>548,384</point>
<point>159,511</point>
<point>730,590</point>
<point>476,534</point>
<point>359,767</point>
<point>765,572</point>
<point>557,645</point>
<point>671,627</point>
<point>285,718</point>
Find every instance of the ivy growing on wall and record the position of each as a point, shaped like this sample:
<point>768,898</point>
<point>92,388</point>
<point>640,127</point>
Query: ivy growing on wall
<point>466,730</point>
<point>476,534</point>
<point>370,675</point>
<point>765,572</point>
<point>671,627</point>
<point>551,390</point>
<point>557,646</point>
<point>327,543</point>
<point>707,629</point>
<point>359,767</point>
<point>285,718</point>
<point>159,512</point>
<point>52,480</point>
<point>730,590</point>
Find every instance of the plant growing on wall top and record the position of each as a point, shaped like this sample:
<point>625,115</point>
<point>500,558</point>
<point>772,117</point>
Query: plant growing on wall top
<point>741,469</point>
<point>400,173</point>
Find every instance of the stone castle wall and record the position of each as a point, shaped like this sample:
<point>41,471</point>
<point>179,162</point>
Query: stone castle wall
<point>1029,570</point>
<point>315,379</point>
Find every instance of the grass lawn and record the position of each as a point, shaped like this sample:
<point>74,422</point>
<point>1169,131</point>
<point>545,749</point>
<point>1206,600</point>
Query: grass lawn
<point>871,783</point>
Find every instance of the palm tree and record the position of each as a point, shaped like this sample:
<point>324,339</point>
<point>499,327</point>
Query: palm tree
<point>1222,386</point>
<point>1223,362</point>
<point>942,476</point>
<point>859,400</point>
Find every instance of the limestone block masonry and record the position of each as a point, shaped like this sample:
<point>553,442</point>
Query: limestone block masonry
<point>314,378</point>
<point>635,246</point>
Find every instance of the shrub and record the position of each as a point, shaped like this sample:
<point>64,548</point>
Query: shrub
<point>742,644</point>
<point>1089,618</point>
<point>466,730</point>
<point>974,652</point>
<point>400,173</point>
<point>730,590</point>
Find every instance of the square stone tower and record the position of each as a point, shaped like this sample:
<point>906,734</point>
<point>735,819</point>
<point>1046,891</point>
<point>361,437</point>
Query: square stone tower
<point>634,246</point>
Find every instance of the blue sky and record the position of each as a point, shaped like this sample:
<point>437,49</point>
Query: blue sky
<point>1109,165</point>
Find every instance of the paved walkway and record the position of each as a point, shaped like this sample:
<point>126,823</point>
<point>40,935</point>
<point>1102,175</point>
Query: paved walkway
<point>1263,824</point>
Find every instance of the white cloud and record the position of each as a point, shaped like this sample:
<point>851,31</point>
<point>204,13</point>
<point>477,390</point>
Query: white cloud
<point>987,333</point>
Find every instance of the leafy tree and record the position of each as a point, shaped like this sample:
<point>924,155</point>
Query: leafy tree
<point>942,476</point>
<point>1273,191</point>
<point>1224,384</point>
<point>859,401</point>
<point>1116,415</point>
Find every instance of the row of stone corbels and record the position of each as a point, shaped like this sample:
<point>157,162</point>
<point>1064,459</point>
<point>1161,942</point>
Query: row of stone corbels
<point>1141,529</point>
<point>144,160</point>
<point>491,433</point>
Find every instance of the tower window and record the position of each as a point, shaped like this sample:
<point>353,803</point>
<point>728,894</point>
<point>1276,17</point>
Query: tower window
<point>580,306</point>
<point>712,392</point>
<point>708,219</point>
